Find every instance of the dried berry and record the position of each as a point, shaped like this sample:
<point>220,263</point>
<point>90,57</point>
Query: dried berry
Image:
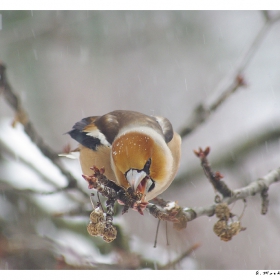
<point>92,229</point>
<point>222,211</point>
<point>219,227</point>
<point>110,233</point>
<point>226,235</point>
<point>100,228</point>
<point>96,216</point>
<point>236,227</point>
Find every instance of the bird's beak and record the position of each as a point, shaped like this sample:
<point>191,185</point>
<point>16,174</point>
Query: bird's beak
<point>137,180</point>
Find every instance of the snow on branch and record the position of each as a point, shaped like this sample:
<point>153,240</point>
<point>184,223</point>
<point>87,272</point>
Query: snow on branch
<point>21,116</point>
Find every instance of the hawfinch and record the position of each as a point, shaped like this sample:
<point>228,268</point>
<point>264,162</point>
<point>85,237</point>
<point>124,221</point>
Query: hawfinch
<point>138,151</point>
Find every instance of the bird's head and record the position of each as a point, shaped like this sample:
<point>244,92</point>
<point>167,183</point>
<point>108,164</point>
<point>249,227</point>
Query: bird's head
<point>141,160</point>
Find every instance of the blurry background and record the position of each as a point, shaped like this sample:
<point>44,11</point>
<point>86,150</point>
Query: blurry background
<point>66,65</point>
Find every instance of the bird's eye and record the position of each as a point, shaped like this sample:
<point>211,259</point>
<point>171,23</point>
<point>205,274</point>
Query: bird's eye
<point>147,165</point>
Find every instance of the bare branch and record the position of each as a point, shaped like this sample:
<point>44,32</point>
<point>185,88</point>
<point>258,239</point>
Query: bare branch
<point>255,187</point>
<point>214,178</point>
<point>171,211</point>
<point>21,116</point>
<point>265,201</point>
<point>252,189</point>
<point>230,84</point>
<point>259,186</point>
<point>232,157</point>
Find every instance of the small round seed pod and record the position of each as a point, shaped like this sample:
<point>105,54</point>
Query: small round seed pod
<point>96,216</point>
<point>108,240</point>
<point>110,233</point>
<point>92,229</point>
<point>100,228</point>
<point>219,227</point>
<point>226,235</point>
<point>222,211</point>
<point>235,228</point>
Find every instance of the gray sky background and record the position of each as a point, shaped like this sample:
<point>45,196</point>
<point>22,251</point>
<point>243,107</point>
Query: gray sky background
<point>67,65</point>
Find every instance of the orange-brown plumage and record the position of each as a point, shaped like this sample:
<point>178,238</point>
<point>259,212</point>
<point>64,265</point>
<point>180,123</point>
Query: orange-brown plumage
<point>142,147</point>
<point>136,150</point>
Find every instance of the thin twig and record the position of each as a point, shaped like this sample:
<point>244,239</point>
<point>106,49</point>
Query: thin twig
<point>230,84</point>
<point>265,201</point>
<point>252,189</point>
<point>171,211</point>
<point>214,178</point>
<point>232,157</point>
<point>155,243</point>
<point>255,187</point>
<point>190,214</point>
<point>21,116</point>
<point>166,234</point>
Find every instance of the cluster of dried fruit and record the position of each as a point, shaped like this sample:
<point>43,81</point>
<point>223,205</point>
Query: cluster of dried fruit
<point>98,226</point>
<point>224,228</point>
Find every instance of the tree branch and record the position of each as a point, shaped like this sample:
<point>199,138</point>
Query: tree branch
<point>230,84</point>
<point>22,117</point>
<point>168,211</point>
<point>232,158</point>
<point>214,178</point>
<point>258,186</point>
<point>252,189</point>
<point>171,211</point>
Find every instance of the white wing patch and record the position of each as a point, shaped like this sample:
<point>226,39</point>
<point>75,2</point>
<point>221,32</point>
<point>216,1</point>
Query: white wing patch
<point>97,134</point>
<point>71,155</point>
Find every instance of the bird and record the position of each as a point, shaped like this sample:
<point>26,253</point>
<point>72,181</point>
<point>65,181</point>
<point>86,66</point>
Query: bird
<point>136,150</point>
